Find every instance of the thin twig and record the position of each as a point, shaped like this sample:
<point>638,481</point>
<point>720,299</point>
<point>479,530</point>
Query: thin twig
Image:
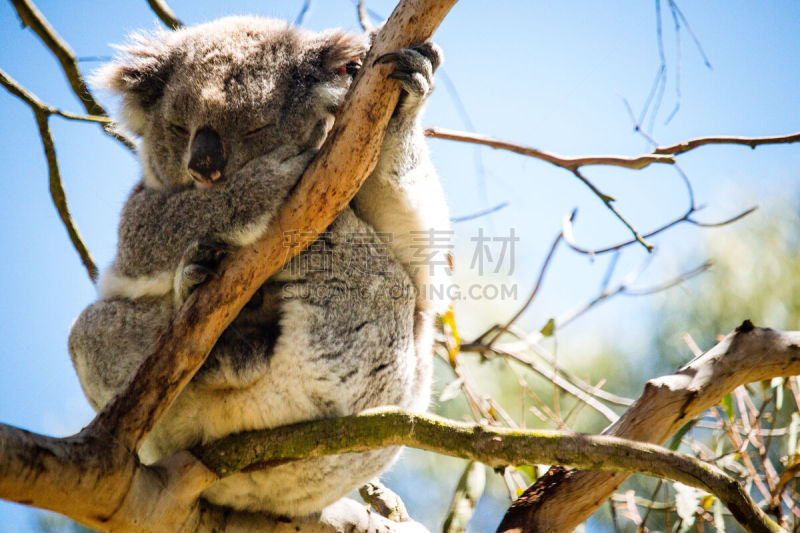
<point>532,296</point>
<point>301,16</point>
<point>669,284</point>
<point>752,142</point>
<point>30,16</point>
<point>662,155</point>
<point>653,101</point>
<point>608,201</point>
<point>479,214</point>
<point>477,154</point>
<point>792,470</point>
<point>678,61</point>
<point>676,9</point>
<point>568,163</point>
<point>658,155</point>
<point>165,14</point>
<point>527,342</point>
<point>569,237</point>
<point>29,98</point>
<point>42,113</point>
<point>363,17</point>
<point>558,381</point>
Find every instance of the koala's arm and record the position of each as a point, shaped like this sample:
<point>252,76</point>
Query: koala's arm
<point>158,226</point>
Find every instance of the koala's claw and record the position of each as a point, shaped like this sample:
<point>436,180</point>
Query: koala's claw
<point>194,275</point>
<point>199,264</point>
<point>414,67</point>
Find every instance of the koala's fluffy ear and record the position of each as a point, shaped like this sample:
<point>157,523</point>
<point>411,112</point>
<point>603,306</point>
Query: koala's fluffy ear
<point>343,52</point>
<point>139,74</point>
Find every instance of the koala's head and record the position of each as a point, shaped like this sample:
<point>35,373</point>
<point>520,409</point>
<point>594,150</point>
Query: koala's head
<point>207,99</point>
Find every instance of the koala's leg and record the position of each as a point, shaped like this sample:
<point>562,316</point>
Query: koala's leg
<point>110,339</point>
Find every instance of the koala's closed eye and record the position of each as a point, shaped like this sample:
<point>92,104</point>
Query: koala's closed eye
<point>255,131</point>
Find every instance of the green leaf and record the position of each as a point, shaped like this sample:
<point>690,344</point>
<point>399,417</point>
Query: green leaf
<point>676,440</point>
<point>529,471</point>
<point>548,328</point>
<point>727,401</point>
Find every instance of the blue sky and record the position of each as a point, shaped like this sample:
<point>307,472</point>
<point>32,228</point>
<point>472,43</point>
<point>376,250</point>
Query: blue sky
<point>547,74</point>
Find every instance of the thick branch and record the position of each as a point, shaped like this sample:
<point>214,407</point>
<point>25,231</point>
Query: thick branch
<point>30,16</point>
<point>493,446</point>
<point>77,477</point>
<point>562,499</point>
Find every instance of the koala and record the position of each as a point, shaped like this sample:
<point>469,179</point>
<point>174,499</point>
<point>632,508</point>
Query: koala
<point>229,114</point>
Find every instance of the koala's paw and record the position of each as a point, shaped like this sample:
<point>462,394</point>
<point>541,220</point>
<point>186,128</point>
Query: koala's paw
<point>199,263</point>
<point>414,67</point>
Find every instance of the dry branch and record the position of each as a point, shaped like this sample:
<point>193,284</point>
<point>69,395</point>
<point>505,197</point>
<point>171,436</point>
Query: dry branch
<point>31,17</point>
<point>165,14</point>
<point>662,154</point>
<point>562,498</point>
<point>752,142</point>
<point>363,16</point>
<point>41,113</point>
<point>98,467</point>
<point>568,163</point>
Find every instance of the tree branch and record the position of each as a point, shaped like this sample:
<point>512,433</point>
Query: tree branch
<point>752,142</point>
<point>165,14</point>
<point>41,113</point>
<point>562,499</point>
<point>661,154</point>
<point>568,163</point>
<point>571,164</point>
<point>363,16</point>
<point>31,17</point>
<point>493,446</point>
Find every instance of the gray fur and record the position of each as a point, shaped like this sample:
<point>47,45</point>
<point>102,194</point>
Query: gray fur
<point>346,326</point>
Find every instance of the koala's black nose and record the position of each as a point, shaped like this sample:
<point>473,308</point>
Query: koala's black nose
<point>206,157</point>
